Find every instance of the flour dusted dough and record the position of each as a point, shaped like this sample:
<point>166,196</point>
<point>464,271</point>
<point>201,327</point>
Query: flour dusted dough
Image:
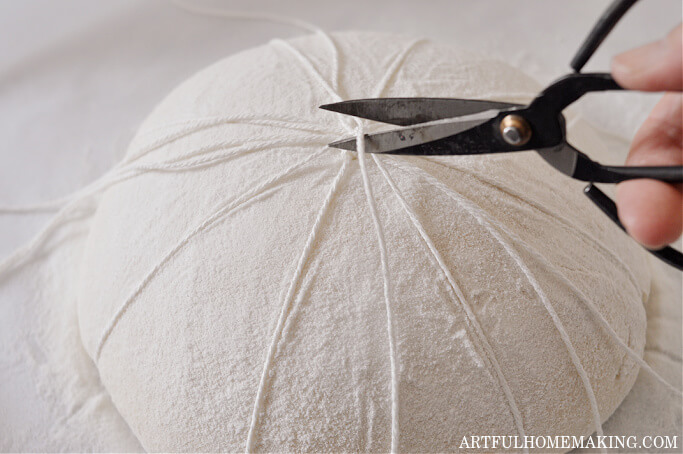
<point>183,361</point>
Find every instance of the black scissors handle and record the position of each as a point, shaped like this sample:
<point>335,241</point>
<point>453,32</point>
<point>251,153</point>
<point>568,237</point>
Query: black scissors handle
<point>592,171</point>
<point>568,89</point>
<point>601,29</point>
<point>667,254</point>
<point>544,114</point>
<point>588,170</point>
<point>617,174</point>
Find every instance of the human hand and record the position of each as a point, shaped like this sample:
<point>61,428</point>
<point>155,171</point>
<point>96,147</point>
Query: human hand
<point>652,211</point>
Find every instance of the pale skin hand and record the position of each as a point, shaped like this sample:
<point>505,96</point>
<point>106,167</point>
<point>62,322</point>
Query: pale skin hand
<point>652,211</point>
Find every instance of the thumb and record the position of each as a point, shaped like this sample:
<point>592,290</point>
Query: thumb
<point>656,66</point>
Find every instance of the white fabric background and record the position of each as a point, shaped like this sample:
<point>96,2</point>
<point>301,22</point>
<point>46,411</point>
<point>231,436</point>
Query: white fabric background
<point>77,77</point>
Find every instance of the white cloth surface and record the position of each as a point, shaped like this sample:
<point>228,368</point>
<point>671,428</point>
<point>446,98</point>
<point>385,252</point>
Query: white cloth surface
<point>77,78</point>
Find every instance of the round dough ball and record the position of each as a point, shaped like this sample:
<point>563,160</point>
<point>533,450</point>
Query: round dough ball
<point>218,286</point>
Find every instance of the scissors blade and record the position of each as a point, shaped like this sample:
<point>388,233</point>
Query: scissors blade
<point>575,164</point>
<point>563,157</point>
<point>417,139</point>
<point>412,111</point>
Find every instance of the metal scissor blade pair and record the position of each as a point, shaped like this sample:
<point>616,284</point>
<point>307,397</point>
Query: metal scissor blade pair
<point>427,115</point>
<point>412,111</point>
<point>424,139</point>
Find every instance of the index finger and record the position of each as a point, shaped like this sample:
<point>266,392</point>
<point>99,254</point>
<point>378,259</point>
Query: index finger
<point>657,66</point>
<point>651,210</point>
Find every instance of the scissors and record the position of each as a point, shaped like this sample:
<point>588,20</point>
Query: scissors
<point>448,126</point>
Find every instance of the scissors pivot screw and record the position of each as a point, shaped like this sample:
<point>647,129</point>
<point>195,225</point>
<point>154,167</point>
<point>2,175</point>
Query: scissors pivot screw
<point>515,130</point>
